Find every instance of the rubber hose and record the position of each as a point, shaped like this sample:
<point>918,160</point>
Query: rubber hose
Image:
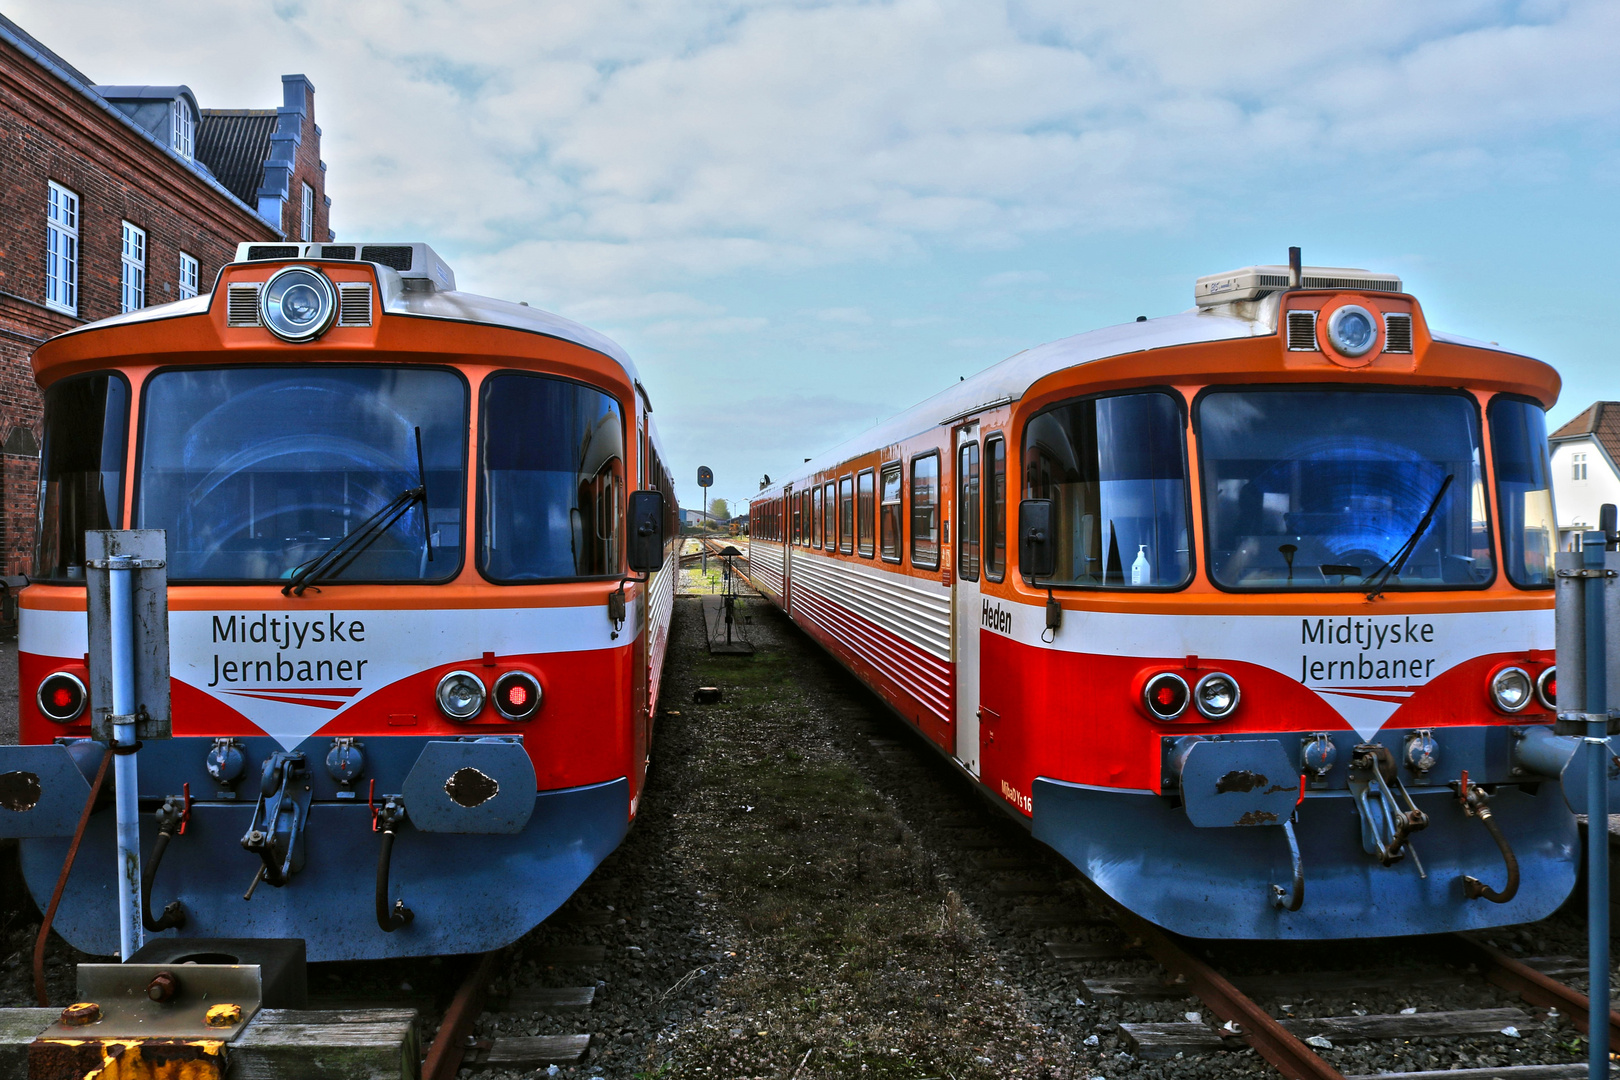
<point>1474,888</point>
<point>174,916</point>
<point>388,920</point>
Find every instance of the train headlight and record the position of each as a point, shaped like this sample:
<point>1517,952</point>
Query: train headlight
<point>1165,695</point>
<point>1352,330</point>
<point>1547,689</point>
<point>298,304</point>
<point>517,695</point>
<point>62,697</point>
<point>460,695</point>
<point>1511,689</point>
<point>1216,695</point>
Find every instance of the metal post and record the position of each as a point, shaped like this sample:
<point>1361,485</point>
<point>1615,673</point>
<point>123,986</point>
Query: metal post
<point>1596,708</point>
<point>121,622</point>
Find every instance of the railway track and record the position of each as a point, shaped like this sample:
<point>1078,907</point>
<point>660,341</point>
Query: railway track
<point>1225,1005</point>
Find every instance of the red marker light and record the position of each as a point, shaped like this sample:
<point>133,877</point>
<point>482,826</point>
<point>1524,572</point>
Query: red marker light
<point>61,697</point>
<point>517,695</point>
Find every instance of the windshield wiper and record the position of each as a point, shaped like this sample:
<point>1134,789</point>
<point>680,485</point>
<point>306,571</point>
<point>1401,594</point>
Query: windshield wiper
<point>1393,567</point>
<point>341,555</point>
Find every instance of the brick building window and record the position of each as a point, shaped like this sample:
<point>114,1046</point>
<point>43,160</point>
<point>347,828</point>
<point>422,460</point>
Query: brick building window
<point>182,128</point>
<point>188,276</point>
<point>132,296</point>
<point>62,251</point>
<point>306,225</point>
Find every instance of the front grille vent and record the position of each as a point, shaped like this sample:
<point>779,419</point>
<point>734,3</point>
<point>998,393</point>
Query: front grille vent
<point>1398,333</point>
<point>354,303</point>
<point>397,256</point>
<point>337,251</point>
<point>273,251</point>
<point>242,304</point>
<point>1359,284</point>
<point>1302,331</point>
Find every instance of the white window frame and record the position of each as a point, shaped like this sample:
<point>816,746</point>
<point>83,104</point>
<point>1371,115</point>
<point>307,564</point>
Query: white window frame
<point>189,269</point>
<point>306,227</point>
<point>182,129</point>
<point>62,250</point>
<point>132,263</point>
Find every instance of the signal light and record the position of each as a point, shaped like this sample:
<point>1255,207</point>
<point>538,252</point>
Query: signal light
<point>460,695</point>
<point>62,697</point>
<point>517,695</point>
<point>1511,689</point>
<point>1547,689</point>
<point>1165,696</point>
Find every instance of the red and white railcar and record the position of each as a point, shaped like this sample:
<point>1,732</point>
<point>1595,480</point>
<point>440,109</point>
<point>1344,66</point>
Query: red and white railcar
<point>1285,576</point>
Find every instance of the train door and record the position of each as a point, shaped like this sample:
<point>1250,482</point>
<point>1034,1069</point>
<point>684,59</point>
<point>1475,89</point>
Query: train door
<point>965,600</point>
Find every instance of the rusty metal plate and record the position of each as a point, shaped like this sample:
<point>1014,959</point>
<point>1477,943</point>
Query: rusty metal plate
<point>476,786</point>
<point>127,1013</point>
<point>1239,782</point>
<point>42,791</point>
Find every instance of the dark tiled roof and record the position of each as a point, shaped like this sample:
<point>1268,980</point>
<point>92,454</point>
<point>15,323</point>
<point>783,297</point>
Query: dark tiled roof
<point>234,144</point>
<point>1601,420</point>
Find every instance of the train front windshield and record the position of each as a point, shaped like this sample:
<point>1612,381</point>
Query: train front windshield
<point>256,471</point>
<point>1344,489</point>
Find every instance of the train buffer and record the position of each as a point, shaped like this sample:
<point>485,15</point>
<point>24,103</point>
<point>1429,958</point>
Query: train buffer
<point>181,1019</point>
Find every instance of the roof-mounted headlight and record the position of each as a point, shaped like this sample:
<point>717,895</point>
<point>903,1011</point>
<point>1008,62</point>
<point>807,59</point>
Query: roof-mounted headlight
<point>298,304</point>
<point>1352,330</point>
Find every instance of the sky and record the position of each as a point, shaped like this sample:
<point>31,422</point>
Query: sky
<point>803,217</point>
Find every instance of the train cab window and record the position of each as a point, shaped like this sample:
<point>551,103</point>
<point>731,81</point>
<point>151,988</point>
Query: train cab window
<point>1115,469</point>
<point>1344,489</point>
<point>829,539</point>
<point>257,471</point>
<point>865,512</point>
<point>995,508</point>
<point>967,512</point>
<point>81,470</point>
<point>846,515</point>
<point>1523,491</point>
<point>925,512</point>
<point>551,479</point>
<point>889,517</point>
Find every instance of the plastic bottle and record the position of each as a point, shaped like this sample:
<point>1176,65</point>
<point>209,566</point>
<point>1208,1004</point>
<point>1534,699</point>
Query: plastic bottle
<point>1141,569</point>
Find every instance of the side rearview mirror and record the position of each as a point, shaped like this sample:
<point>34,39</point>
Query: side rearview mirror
<point>1037,554</point>
<point>646,521</point>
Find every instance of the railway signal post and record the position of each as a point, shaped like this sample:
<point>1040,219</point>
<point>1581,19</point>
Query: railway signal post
<point>128,625</point>
<point>1588,601</point>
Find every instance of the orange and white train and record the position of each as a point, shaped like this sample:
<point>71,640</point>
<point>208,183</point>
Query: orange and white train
<point>1246,611</point>
<point>403,529</point>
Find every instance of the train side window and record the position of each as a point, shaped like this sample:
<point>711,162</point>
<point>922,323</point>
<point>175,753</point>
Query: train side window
<point>846,515</point>
<point>890,517</point>
<point>925,511</point>
<point>815,517</point>
<point>829,539</point>
<point>798,518</point>
<point>551,463</point>
<point>967,512</point>
<point>81,470</point>
<point>995,508</point>
<point>865,507</point>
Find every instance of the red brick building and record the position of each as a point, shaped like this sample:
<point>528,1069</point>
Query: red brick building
<point>119,197</point>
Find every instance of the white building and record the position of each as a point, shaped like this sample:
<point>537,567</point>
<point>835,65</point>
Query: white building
<point>1585,474</point>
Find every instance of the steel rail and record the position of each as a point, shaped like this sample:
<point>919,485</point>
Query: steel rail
<point>1534,987</point>
<point>450,1044</point>
<point>1286,1051</point>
